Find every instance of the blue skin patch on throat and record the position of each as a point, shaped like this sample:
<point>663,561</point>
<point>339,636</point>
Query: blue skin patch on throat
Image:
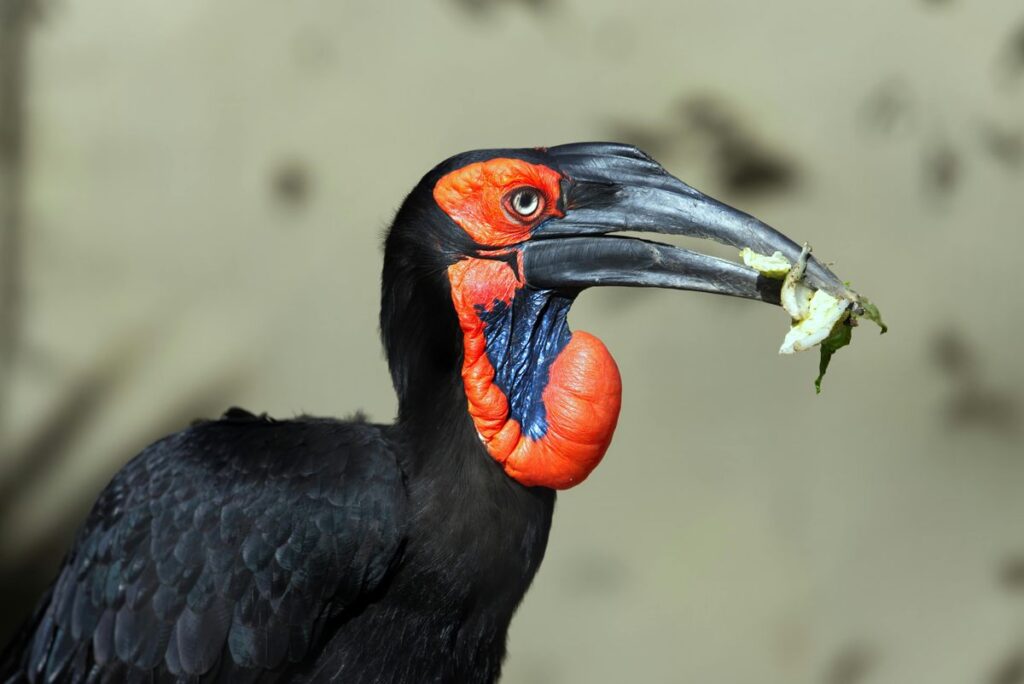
<point>523,340</point>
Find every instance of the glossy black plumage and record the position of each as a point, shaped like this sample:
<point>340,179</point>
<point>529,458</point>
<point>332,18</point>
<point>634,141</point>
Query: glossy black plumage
<point>312,550</point>
<point>247,549</point>
<point>392,553</point>
<point>228,545</point>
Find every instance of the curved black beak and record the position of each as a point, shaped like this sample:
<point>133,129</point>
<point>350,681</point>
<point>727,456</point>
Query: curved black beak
<point>609,188</point>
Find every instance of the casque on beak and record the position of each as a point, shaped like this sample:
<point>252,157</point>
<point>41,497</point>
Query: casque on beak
<point>610,188</point>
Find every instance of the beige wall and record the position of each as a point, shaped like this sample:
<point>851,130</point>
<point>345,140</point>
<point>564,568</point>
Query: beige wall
<point>741,529</point>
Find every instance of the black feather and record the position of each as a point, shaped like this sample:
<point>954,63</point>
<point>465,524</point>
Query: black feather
<point>200,636</point>
<point>247,549</point>
<point>191,543</point>
<point>103,638</point>
<point>61,651</point>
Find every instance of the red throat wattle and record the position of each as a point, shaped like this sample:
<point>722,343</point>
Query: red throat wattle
<point>583,392</point>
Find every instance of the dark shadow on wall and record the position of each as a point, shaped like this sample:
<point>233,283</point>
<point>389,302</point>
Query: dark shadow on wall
<point>853,664</point>
<point>1013,55</point>
<point>899,107</point>
<point>1010,671</point>
<point>16,20</point>
<point>710,130</point>
<point>478,8</point>
<point>973,402</point>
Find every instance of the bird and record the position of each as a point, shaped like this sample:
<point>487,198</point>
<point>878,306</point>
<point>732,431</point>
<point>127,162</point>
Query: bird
<point>309,549</point>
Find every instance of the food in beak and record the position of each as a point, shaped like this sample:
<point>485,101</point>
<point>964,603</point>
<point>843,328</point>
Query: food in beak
<point>774,266</point>
<point>818,318</point>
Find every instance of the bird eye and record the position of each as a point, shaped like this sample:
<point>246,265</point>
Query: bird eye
<point>525,202</point>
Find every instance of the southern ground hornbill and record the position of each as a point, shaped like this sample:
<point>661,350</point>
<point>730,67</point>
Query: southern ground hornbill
<point>248,549</point>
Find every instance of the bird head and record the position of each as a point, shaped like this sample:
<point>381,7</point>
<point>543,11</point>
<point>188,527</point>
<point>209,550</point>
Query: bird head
<point>488,253</point>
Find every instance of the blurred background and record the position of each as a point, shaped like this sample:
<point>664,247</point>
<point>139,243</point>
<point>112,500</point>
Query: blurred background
<point>192,200</point>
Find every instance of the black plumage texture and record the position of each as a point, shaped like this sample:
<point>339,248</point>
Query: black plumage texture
<point>225,547</point>
<point>247,550</point>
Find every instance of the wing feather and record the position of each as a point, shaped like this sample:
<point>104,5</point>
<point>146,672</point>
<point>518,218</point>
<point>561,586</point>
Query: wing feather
<point>221,551</point>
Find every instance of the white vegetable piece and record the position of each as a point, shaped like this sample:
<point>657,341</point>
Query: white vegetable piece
<point>774,266</point>
<point>823,313</point>
<point>814,312</point>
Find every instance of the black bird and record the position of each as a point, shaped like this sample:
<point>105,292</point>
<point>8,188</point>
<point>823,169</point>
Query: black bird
<point>247,549</point>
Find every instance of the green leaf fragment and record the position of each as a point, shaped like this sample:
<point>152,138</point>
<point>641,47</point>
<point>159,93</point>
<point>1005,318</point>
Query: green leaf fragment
<point>842,333</point>
<point>871,313</point>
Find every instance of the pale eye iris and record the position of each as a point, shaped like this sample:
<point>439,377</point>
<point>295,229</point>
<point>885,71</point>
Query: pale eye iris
<point>526,201</point>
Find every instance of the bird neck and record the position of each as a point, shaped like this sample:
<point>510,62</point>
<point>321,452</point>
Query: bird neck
<point>544,400</point>
<point>502,363</point>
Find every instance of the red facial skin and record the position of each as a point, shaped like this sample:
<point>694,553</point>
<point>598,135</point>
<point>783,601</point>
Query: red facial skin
<point>474,197</point>
<point>584,390</point>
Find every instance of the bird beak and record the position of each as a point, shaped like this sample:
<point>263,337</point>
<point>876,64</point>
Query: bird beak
<point>609,188</point>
